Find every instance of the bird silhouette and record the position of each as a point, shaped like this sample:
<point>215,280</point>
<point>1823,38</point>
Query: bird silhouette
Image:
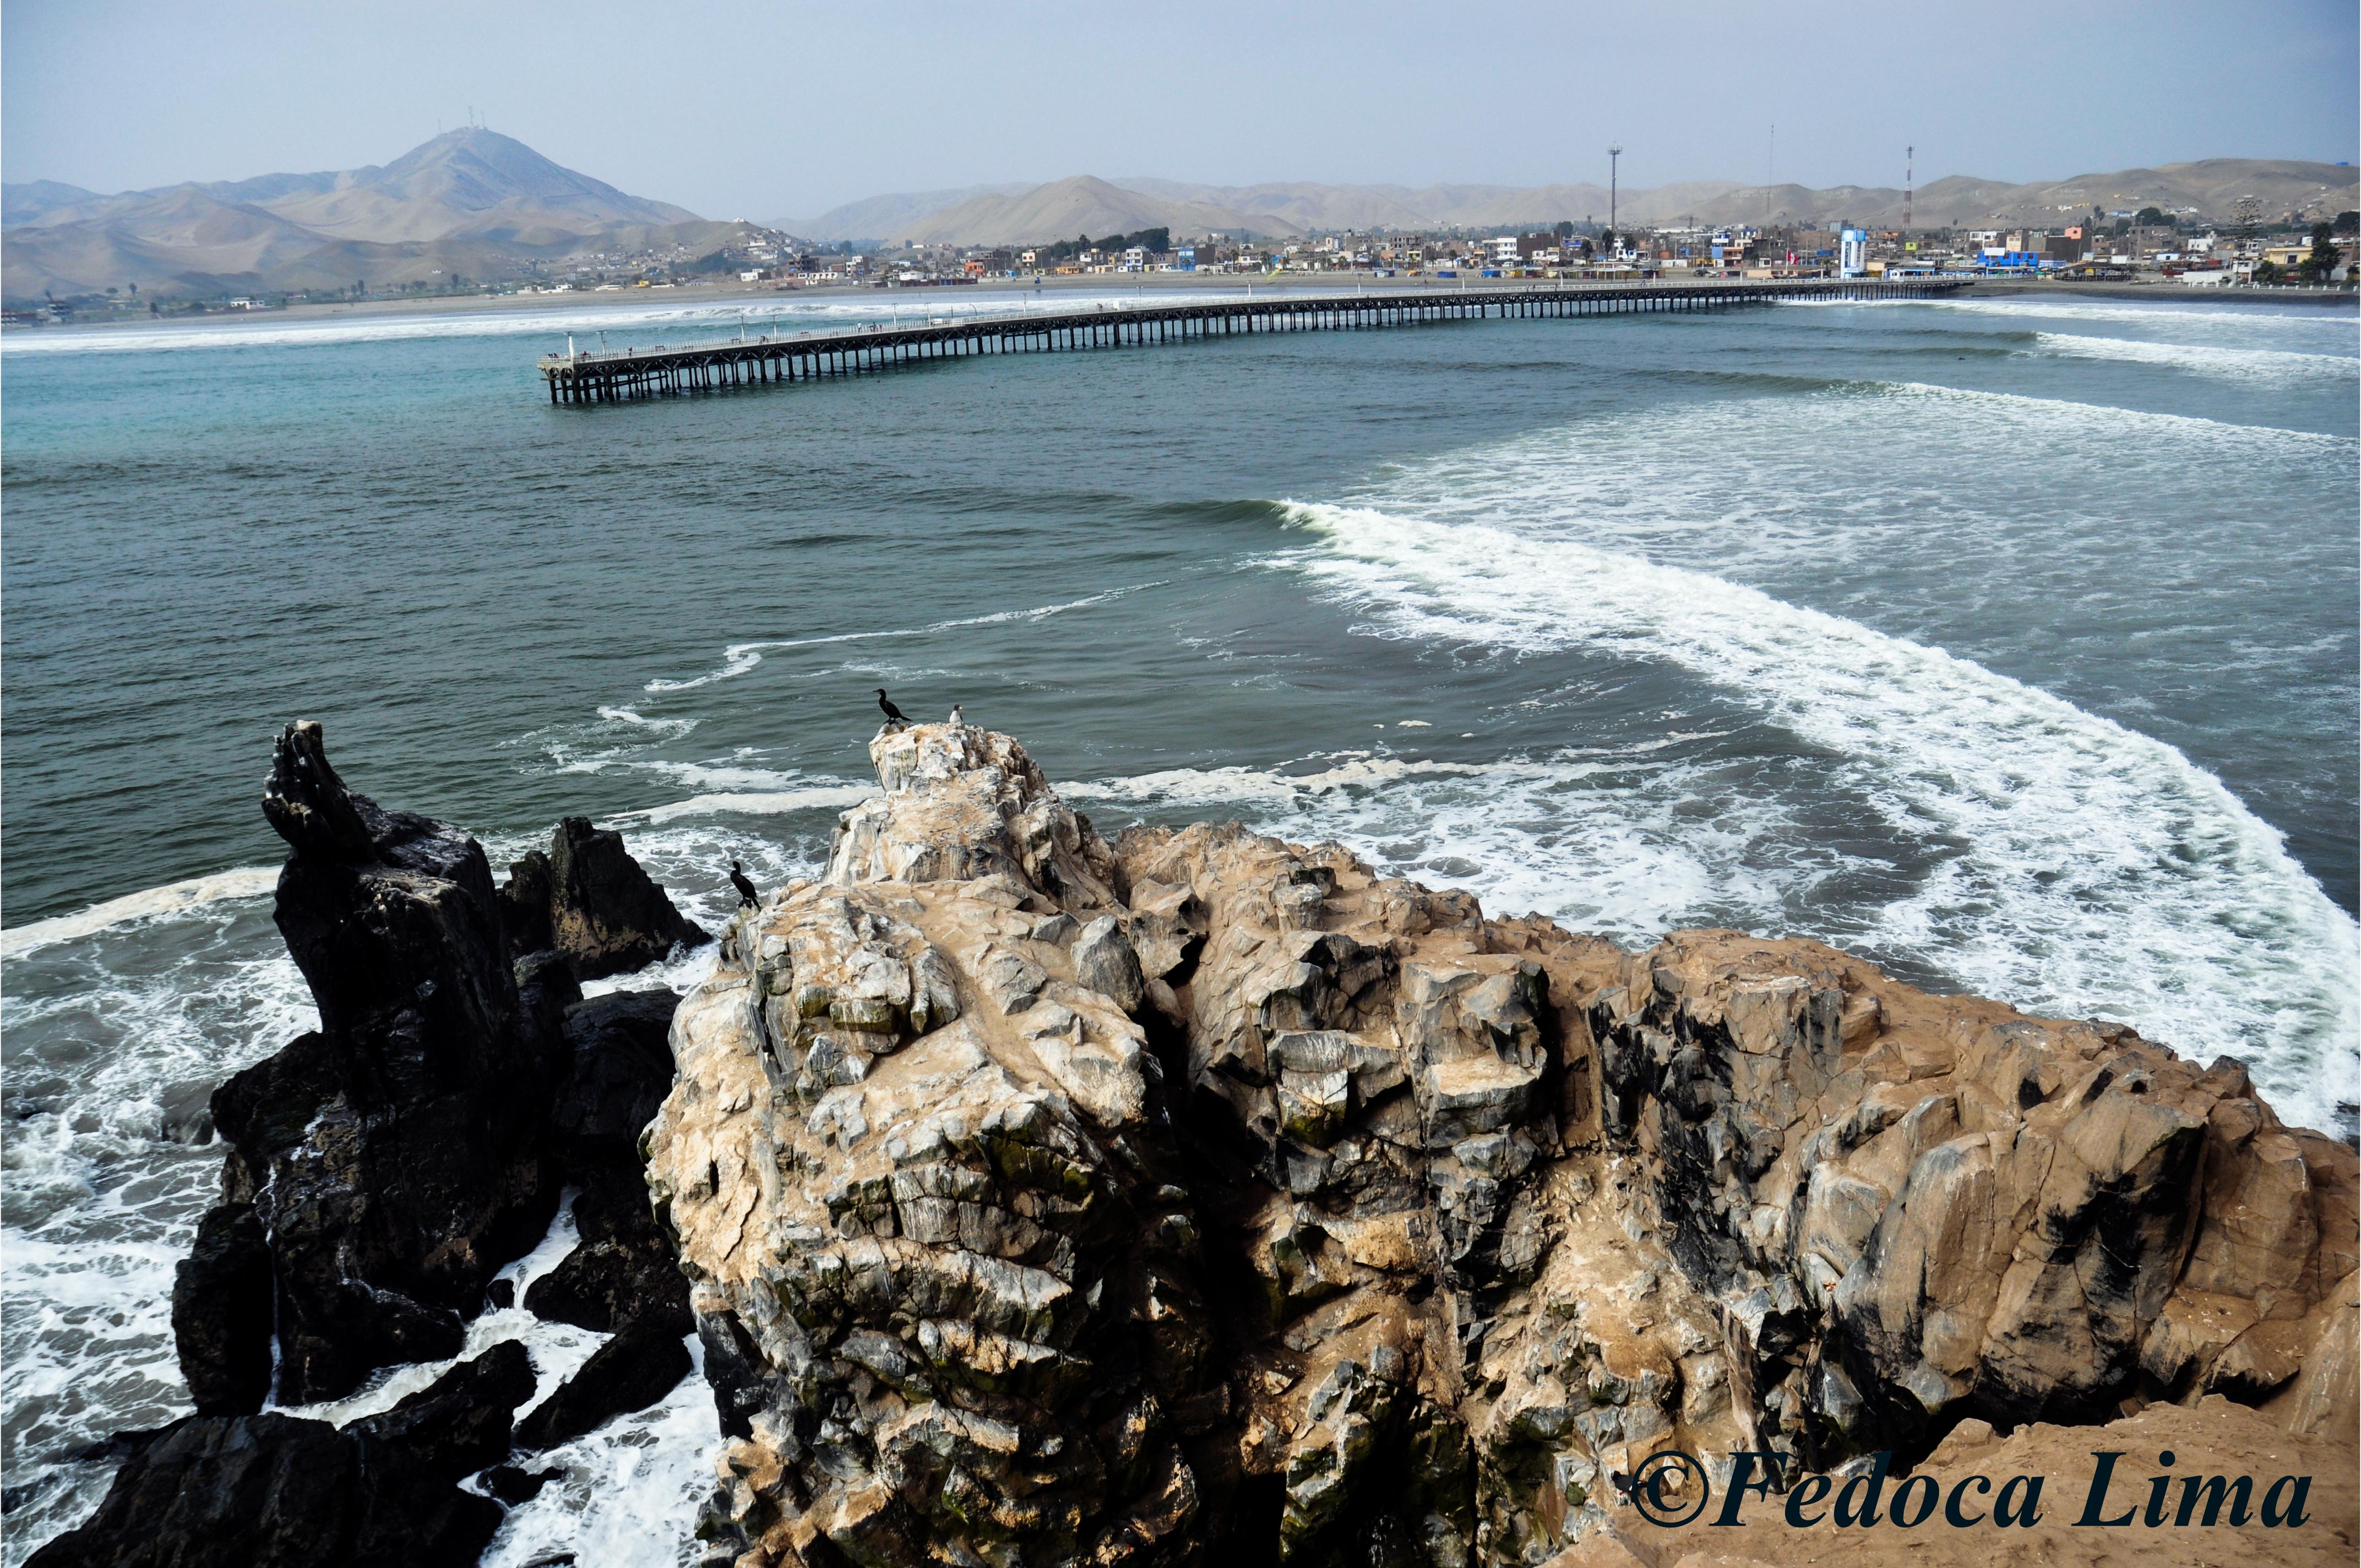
<point>747,896</point>
<point>893,714</point>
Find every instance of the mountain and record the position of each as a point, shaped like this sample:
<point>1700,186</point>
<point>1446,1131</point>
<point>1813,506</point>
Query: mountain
<point>1080,205</point>
<point>877,217</point>
<point>22,204</point>
<point>1084,204</point>
<point>471,201</point>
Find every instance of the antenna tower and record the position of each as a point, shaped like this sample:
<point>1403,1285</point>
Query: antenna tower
<point>1909,170</point>
<point>1614,158</point>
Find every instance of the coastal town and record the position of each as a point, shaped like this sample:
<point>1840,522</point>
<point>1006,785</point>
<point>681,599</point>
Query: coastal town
<point>2244,250</point>
<point>2119,247</point>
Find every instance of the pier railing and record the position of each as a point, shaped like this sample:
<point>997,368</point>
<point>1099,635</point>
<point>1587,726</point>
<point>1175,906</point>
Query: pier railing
<point>626,374</point>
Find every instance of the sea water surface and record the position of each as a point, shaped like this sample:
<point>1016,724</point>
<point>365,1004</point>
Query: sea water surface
<point>2009,643</point>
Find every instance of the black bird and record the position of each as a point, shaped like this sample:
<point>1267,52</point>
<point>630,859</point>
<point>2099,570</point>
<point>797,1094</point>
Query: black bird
<point>893,714</point>
<point>747,896</point>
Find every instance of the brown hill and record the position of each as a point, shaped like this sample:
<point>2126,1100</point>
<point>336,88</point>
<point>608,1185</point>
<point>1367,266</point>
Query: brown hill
<point>1070,208</point>
<point>2208,189</point>
<point>471,202</point>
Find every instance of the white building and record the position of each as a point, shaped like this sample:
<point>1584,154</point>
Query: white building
<point>1852,253</point>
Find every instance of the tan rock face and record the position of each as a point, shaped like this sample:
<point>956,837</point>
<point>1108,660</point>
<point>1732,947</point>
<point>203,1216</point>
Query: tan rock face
<point>1048,1201</point>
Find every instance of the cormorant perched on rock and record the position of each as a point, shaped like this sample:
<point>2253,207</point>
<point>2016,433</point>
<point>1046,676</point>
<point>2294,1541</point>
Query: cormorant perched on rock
<point>747,897</point>
<point>958,715</point>
<point>893,714</point>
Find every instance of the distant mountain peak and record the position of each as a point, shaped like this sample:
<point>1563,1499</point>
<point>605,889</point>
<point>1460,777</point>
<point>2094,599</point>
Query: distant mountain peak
<point>469,201</point>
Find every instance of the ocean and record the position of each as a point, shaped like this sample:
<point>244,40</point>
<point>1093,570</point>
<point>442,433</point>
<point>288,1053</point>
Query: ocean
<point>2009,643</point>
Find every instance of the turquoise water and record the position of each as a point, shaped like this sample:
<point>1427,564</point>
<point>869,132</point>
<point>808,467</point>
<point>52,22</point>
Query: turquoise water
<point>2011,643</point>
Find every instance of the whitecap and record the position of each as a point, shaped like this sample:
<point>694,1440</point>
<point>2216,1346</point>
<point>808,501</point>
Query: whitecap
<point>2102,872</point>
<point>245,882</point>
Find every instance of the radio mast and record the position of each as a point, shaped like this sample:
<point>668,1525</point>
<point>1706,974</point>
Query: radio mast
<point>1909,169</point>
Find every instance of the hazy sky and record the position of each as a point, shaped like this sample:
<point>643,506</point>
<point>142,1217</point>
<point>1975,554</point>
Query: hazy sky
<point>773,111</point>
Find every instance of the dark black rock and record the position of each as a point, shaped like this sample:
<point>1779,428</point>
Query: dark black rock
<point>546,989</point>
<point>630,1372</point>
<point>595,904</point>
<point>625,1273</point>
<point>396,1157</point>
<point>525,903</point>
<point>116,1446</point>
<point>626,1270</point>
<point>272,1491</point>
<point>221,1314</point>
<point>460,1423</point>
<point>187,1112</point>
<point>512,1486</point>
<point>622,1070</point>
<point>500,1295</point>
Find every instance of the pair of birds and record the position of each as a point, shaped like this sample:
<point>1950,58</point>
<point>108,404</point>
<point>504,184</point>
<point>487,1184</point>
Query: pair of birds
<point>748,895</point>
<point>896,716</point>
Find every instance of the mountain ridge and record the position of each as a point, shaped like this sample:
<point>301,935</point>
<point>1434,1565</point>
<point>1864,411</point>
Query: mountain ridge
<point>1025,214</point>
<point>470,202</point>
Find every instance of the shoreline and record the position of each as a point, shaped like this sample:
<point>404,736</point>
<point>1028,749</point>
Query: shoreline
<point>998,288</point>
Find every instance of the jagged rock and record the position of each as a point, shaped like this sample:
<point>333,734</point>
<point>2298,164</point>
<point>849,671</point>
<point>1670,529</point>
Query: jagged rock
<point>590,902</point>
<point>2006,1217</point>
<point>625,1270</point>
<point>630,1372</point>
<point>221,1312</point>
<point>972,1304</point>
<point>460,1422</point>
<point>272,1491</point>
<point>1368,1229</point>
<point>622,1069</point>
<point>962,804</point>
<point>395,1159</point>
<point>187,1112</point>
<point>1104,963</point>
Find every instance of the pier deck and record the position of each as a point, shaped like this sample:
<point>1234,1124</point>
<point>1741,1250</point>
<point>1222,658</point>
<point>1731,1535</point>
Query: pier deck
<point>627,373</point>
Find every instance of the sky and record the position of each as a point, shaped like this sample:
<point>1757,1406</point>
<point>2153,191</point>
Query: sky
<point>781,111</point>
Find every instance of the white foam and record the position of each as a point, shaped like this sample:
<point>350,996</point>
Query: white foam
<point>2102,872</point>
<point>717,322</point>
<point>740,657</point>
<point>245,882</point>
<point>771,803</point>
<point>2213,359</point>
<point>1230,785</point>
<point>2161,315</point>
<point>670,728</point>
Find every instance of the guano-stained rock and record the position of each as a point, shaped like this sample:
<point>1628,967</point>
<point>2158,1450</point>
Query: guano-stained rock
<point>1365,1228</point>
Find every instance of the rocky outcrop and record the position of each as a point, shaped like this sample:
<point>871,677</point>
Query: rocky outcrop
<point>1976,1213</point>
<point>624,1271</point>
<point>271,1491</point>
<point>221,1312</point>
<point>590,902</point>
<point>1045,1199</point>
<point>630,1372</point>
<point>392,1160</point>
<point>460,1422</point>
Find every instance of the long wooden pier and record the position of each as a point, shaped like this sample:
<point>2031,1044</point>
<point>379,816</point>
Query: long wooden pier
<point>623,374</point>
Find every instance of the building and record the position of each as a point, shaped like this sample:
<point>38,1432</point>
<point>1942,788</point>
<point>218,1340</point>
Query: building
<point>1852,253</point>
